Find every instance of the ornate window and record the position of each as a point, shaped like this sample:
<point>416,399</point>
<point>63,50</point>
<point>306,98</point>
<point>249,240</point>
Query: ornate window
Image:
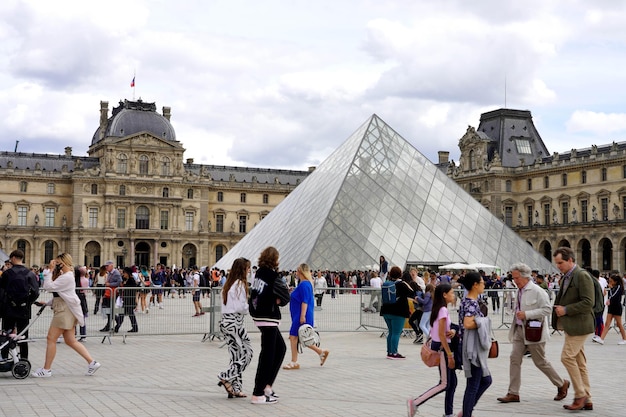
<point>529,183</point>
<point>142,218</point>
<point>189,220</point>
<point>121,218</point>
<point>94,189</point>
<point>243,219</point>
<point>583,177</point>
<point>122,189</point>
<point>165,167</point>
<point>93,217</point>
<point>584,208</point>
<point>219,223</point>
<point>143,165</point>
<point>122,164</point>
<point>23,186</point>
<point>472,160</point>
<point>165,220</point>
<point>604,207</point>
<point>565,212</point>
<point>564,180</point>
<point>546,214</point>
<point>508,216</point>
<point>219,252</point>
<point>22,213</point>
<point>190,193</point>
<point>508,186</point>
<point>603,174</point>
<point>49,214</point>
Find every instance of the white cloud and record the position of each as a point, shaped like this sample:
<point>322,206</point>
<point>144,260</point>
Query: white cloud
<point>596,122</point>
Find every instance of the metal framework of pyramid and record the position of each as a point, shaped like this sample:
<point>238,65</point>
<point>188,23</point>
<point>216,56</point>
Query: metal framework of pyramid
<point>377,195</point>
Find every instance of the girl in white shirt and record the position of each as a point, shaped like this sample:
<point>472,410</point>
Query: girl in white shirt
<point>234,307</point>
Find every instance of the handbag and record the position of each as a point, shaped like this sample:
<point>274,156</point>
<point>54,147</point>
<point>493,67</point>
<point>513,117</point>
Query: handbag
<point>494,350</point>
<point>430,357</point>
<point>119,302</point>
<point>533,330</point>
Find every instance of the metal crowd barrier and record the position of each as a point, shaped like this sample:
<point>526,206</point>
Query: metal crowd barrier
<point>347,311</point>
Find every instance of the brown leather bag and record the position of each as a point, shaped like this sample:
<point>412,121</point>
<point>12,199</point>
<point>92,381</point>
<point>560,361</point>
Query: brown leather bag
<point>533,330</point>
<point>494,350</point>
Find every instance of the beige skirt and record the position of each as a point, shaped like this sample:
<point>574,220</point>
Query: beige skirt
<point>63,317</point>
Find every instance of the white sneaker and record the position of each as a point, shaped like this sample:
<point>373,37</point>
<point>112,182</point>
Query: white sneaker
<point>263,399</point>
<point>597,339</point>
<point>622,342</point>
<point>42,373</point>
<point>410,408</point>
<point>93,367</point>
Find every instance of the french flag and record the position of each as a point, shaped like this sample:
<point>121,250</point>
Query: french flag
<point>132,83</point>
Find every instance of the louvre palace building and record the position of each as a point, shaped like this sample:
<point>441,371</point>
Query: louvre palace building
<point>575,198</point>
<point>133,199</point>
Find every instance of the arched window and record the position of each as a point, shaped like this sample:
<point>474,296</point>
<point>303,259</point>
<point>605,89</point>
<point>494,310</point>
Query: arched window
<point>143,165</point>
<point>122,164</point>
<point>219,252</point>
<point>142,219</point>
<point>165,167</point>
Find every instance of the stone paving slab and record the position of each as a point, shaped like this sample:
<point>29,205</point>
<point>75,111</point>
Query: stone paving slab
<point>176,376</point>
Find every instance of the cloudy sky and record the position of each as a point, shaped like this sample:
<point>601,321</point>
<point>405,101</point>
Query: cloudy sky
<point>282,83</point>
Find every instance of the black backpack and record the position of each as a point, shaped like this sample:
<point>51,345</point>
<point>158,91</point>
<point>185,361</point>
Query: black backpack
<point>21,291</point>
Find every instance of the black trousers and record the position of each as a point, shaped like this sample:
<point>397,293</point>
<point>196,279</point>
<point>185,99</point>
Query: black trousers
<point>271,357</point>
<point>8,324</point>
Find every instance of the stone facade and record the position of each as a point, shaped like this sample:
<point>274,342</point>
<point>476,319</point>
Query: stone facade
<point>132,199</point>
<point>575,198</point>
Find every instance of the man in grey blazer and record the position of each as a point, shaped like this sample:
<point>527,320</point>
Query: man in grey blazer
<point>531,303</point>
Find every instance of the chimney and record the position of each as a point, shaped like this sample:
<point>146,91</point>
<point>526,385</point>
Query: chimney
<point>167,112</point>
<point>311,169</point>
<point>444,156</point>
<point>68,151</point>
<point>190,161</point>
<point>104,115</point>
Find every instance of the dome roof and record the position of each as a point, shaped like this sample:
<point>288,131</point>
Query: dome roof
<point>132,117</point>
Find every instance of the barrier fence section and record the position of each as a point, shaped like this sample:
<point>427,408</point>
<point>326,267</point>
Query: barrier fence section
<point>341,310</point>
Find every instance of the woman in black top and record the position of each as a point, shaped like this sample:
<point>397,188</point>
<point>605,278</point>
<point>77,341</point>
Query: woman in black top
<point>614,312</point>
<point>395,314</point>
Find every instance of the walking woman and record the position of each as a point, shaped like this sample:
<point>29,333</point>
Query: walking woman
<point>234,308</point>
<point>442,336</point>
<point>614,310</point>
<point>268,293</point>
<point>128,291</point>
<point>474,354</point>
<point>301,309</point>
<point>67,313</point>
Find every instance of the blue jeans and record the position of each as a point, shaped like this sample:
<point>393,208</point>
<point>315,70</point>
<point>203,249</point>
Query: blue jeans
<point>395,324</point>
<point>475,388</point>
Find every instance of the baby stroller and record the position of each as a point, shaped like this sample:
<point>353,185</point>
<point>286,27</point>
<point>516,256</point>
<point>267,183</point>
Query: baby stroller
<point>19,368</point>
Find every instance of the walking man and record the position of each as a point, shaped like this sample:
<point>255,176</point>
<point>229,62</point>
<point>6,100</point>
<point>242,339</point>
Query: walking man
<point>573,313</point>
<point>533,304</point>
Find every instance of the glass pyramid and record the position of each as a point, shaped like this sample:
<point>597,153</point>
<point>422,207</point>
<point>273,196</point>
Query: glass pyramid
<point>377,195</point>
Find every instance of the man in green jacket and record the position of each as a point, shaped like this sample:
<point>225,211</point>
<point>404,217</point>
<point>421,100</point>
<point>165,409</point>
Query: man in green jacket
<point>573,313</point>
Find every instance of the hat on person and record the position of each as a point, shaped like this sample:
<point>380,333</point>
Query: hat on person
<point>109,263</point>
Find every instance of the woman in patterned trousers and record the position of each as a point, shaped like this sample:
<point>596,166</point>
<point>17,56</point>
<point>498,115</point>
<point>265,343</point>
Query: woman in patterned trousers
<point>234,308</point>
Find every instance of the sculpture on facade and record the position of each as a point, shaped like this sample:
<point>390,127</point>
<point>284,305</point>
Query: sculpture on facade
<point>9,217</point>
<point>536,217</point>
<point>615,211</point>
<point>554,217</point>
<point>574,219</point>
<point>519,219</point>
<point>594,213</point>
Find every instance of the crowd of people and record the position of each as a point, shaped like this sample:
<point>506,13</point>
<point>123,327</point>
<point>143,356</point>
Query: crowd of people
<point>424,299</point>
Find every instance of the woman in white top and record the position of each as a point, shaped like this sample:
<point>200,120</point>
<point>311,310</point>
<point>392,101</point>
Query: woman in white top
<point>67,313</point>
<point>234,308</point>
<point>320,288</point>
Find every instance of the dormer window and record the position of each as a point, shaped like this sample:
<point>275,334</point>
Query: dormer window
<point>523,146</point>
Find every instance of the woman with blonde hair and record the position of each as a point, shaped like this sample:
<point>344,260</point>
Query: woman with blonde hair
<point>301,308</point>
<point>234,308</point>
<point>67,313</point>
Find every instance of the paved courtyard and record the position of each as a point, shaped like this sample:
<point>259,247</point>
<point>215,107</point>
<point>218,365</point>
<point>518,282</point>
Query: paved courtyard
<point>176,375</point>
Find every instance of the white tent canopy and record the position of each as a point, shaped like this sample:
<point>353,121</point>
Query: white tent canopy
<point>455,266</point>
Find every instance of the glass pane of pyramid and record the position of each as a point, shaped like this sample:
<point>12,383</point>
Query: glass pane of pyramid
<point>377,195</point>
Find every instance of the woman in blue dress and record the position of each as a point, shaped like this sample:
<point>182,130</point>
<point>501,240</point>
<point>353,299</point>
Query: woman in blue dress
<point>301,308</point>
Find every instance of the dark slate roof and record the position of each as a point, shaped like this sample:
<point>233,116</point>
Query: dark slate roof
<point>243,174</point>
<point>503,127</point>
<point>47,162</point>
<point>132,117</point>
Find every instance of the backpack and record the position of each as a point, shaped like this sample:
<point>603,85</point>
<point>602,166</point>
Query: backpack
<point>20,292</point>
<point>388,290</point>
<point>307,336</point>
<point>598,306</point>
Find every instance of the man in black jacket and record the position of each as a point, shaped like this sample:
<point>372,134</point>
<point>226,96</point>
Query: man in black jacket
<point>21,289</point>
